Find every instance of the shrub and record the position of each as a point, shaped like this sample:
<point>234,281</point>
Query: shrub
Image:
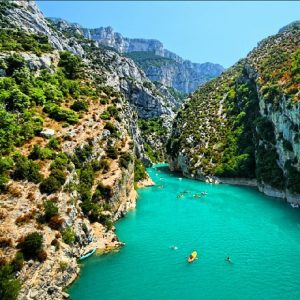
<point>68,236</point>
<point>37,95</point>
<point>61,114</point>
<point>40,153</point>
<point>26,169</point>
<point>50,185</point>
<point>63,266</point>
<point>50,210</point>
<point>59,175</point>
<point>54,144</point>
<point>14,62</point>
<point>52,93</point>
<point>87,176</point>
<point>15,100</point>
<point>17,262</point>
<point>125,159</point>
<point>31,245</point>
<point>139,171</point>
<point>71,65</point>
<point>9,286</point>
<point>80,105</point>
<point>61,161</point>
<point>82,154</point>
<point>105,115</point>
<point>112,152</point>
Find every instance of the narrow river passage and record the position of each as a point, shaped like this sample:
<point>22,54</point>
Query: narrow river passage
<point>260,234</point>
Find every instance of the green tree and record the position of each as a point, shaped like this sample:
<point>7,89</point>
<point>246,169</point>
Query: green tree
<point>31,245</point>
<point>9,286</point>
<point>71,65</point>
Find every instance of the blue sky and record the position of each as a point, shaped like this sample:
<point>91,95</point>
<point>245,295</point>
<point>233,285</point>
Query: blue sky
<point>220,32</point>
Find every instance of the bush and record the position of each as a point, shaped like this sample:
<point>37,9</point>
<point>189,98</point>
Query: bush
<point>82,154</point>
<point>112,152</point>
<point>80,105</point>
<point>14,62</point>
<point>37,96</point>
<point>31,245</point>
<point>50,210</point>
<point>26,169</point>
<point>61,161</point>
<point>125,159</point>
<point>17,262</point>
<point>63,266</point>
<point>50,185</point>
<point>71,65</point>
<point>15,100</point>
<point>9,286</point>
<point>139,171</point>
<point>61,114</point>
<point>68,236</point>
<point>40,153</point>
<point>54,144</point>
<point>59,175</point>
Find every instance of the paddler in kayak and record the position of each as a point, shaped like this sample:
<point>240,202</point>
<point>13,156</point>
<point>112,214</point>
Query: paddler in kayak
<point>192,257</point>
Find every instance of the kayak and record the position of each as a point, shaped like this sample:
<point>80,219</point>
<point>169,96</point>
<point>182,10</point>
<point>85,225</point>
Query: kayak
<point>86,255</point>
<point>192,257</point>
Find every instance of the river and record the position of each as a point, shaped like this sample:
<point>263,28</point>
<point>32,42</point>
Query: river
<point>260,234</point>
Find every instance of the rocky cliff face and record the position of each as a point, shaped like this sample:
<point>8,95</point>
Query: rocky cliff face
<point>158,63</point>
<point>245,123</point>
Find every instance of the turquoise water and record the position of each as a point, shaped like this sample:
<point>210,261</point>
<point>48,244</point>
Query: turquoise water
<point>259,233</point>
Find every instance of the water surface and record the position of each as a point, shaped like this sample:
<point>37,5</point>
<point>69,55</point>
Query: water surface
<point>259,233</point>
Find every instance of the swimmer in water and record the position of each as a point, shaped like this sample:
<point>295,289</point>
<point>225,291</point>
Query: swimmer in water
<point>228,259</point>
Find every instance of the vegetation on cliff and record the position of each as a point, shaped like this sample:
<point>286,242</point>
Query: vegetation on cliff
<point>230,126</point>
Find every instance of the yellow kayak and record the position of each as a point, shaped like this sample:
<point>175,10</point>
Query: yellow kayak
<point>192,257</point>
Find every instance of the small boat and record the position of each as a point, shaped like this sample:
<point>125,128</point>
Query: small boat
<point>192,257</point>
<point>87,254</point>
<point>204,193</point>
<point>294,205</point>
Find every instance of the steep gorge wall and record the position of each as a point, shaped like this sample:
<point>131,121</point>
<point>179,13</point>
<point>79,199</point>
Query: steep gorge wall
<point>245,123</point>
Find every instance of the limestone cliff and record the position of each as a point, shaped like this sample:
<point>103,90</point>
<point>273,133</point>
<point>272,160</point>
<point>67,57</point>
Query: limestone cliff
<point>158,63</point>
<point>245,123</point>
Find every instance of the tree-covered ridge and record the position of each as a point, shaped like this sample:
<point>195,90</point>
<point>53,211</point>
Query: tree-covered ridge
<point>228,127</point>
<point>146,59</point>
<point>277,62</point>
<point>18,40</point>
